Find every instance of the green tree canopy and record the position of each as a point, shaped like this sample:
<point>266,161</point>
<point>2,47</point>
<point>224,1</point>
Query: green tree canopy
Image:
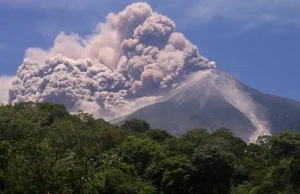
<point>44,149</point>
<point>136,125</point>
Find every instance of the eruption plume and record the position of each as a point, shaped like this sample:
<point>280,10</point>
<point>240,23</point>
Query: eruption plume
<point>129,60</point>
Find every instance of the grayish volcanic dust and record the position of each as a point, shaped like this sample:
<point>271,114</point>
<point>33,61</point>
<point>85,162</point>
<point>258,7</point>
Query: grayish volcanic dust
<point>125,64</point>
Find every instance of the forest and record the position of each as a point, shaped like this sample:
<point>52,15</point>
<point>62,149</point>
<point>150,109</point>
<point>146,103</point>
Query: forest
<point>45,149</point>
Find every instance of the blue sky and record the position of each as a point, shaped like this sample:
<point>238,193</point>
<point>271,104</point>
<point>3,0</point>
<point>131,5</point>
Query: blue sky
<point>258,41</point>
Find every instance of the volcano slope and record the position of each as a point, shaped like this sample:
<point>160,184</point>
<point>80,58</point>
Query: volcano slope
<point>214,99</point>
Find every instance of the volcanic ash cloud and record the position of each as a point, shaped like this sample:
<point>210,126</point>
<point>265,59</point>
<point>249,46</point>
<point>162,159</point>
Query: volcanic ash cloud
<point>128,61</point>
<point>5,84</point>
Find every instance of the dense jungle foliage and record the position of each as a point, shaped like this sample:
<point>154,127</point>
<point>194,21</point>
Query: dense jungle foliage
<point>44,149</point>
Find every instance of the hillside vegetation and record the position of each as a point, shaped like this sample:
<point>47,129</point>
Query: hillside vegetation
<point>44,149</point>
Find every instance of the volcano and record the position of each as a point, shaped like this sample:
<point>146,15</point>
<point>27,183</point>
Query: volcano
<point>136,64</point>
<point>212,99</point>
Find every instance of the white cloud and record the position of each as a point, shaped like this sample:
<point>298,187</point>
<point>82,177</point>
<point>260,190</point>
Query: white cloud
<point>251,13</point>
<point>5,84</point>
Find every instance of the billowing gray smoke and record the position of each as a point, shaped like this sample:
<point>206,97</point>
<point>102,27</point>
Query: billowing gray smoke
<point>133,57</point>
